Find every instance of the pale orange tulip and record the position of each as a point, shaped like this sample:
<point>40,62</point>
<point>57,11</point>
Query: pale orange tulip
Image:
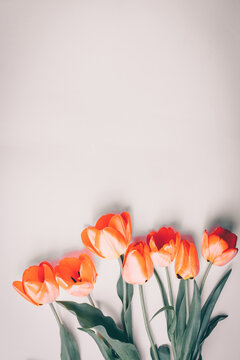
<point>137,264</point>
<point>110,237</point>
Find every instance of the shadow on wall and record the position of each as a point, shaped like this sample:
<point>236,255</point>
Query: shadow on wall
<point>224,221</point>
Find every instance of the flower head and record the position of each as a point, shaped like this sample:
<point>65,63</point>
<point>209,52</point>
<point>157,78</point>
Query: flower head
<point>76,275</point>
<point>219,246</point>
<point>38,284</point>
<point>187,264</point>
<point>137,264</point>
<point>110,237</point>
<point>163,245</point>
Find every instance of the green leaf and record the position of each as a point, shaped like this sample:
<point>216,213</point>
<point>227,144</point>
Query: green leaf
<point>208,309</point>
<point>69,347</point>
<point>103,347</point>
<point>90,317</point>
<point>161,310</point>
<point>124,350</point>
<point>193,325</point>
<point>127,315</point>
<point>212,324</point>
<point>169,314</point>
<point>180,295</point>
<point>163,352</point>
<point>181,322</point>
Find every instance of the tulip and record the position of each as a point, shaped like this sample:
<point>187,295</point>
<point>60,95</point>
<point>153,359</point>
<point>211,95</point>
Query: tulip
<point>76,275</point>
<point>187,264</point>
<point>38,284</point>
<point>137,264</point>
<point>110,237</point>
<point>163,245</point>
<point>219,247</point>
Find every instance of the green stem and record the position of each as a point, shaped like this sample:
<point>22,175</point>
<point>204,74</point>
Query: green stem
<point>90,299</point>
<point>55,314</point>
<point>186,282</point>
<point>169,286</point>
<point>205,276</point>
<point>124,288</point>
<point>154,350</point>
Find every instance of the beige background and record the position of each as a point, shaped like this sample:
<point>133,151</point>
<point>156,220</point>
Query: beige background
<point>110,105</point>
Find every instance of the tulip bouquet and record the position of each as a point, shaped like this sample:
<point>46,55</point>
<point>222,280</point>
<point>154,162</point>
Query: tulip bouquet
<point>189,321</point>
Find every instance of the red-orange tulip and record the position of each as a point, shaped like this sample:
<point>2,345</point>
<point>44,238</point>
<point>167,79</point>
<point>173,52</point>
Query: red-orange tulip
<point>137,264</point>
<point>163,245</point>
<point>76,275</point>
<point>110,237</point>
<point>187,264</point>
<point>219,246</point>
<point>38,284</point>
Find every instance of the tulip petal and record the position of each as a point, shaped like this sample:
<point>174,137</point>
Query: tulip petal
<point>88,236</point>
<point>134,269</point>
<point>110,243</point>
<point>118,224</point>
<point>216,247</point>
<point>87,269</point>
<point>161,258</point>
<point>103,221</point>
<point>126,217</point>
<point>227,256</point>
<point>18,286</point>
<point>204,246</point>
<point>80,289</point>
<point>182,261</point>
<point>193,260</point>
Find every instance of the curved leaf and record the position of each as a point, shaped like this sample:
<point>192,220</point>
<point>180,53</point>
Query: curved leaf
<point>163,352</point>
<point>212,324</point>
<point>125,351</point>
<point>105,350</point>
<point>161,310</point>
<point>208,309</point>
<point>69,347</point>
<point>90,317</point>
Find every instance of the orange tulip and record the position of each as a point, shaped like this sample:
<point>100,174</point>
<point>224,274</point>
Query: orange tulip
<point>187,264</point>
<point>38,284</point>
<point>76,275</point>
<point>163,245</point>
<point>137,264</point>
<point>110,237</point>
<point>219,247</point>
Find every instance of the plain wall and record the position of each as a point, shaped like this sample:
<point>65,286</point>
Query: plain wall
<point>112,105</point>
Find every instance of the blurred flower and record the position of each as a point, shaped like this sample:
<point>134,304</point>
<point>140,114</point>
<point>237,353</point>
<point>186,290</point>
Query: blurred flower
<point>219,247</point>
<point>163,245</point>
<point>76,275</point>
<point>110,237</point>
<point>137,264</point>
<point>38,284</point>
<point>187,264</point>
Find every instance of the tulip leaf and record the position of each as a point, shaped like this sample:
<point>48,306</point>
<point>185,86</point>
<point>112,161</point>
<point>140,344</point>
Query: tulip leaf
<point>161,310</point>
<point>169,314</point>
<point>212,324</point>
<point>69,347</point>
<point>90,317</point>
<point>181,322</point>
<point>193,325</point>
<point>126,315</point>
<point>124,350</point>
<point>208,309</point>
<point>163,352</point>
<point>180,315</point>
<point>106,351</point>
